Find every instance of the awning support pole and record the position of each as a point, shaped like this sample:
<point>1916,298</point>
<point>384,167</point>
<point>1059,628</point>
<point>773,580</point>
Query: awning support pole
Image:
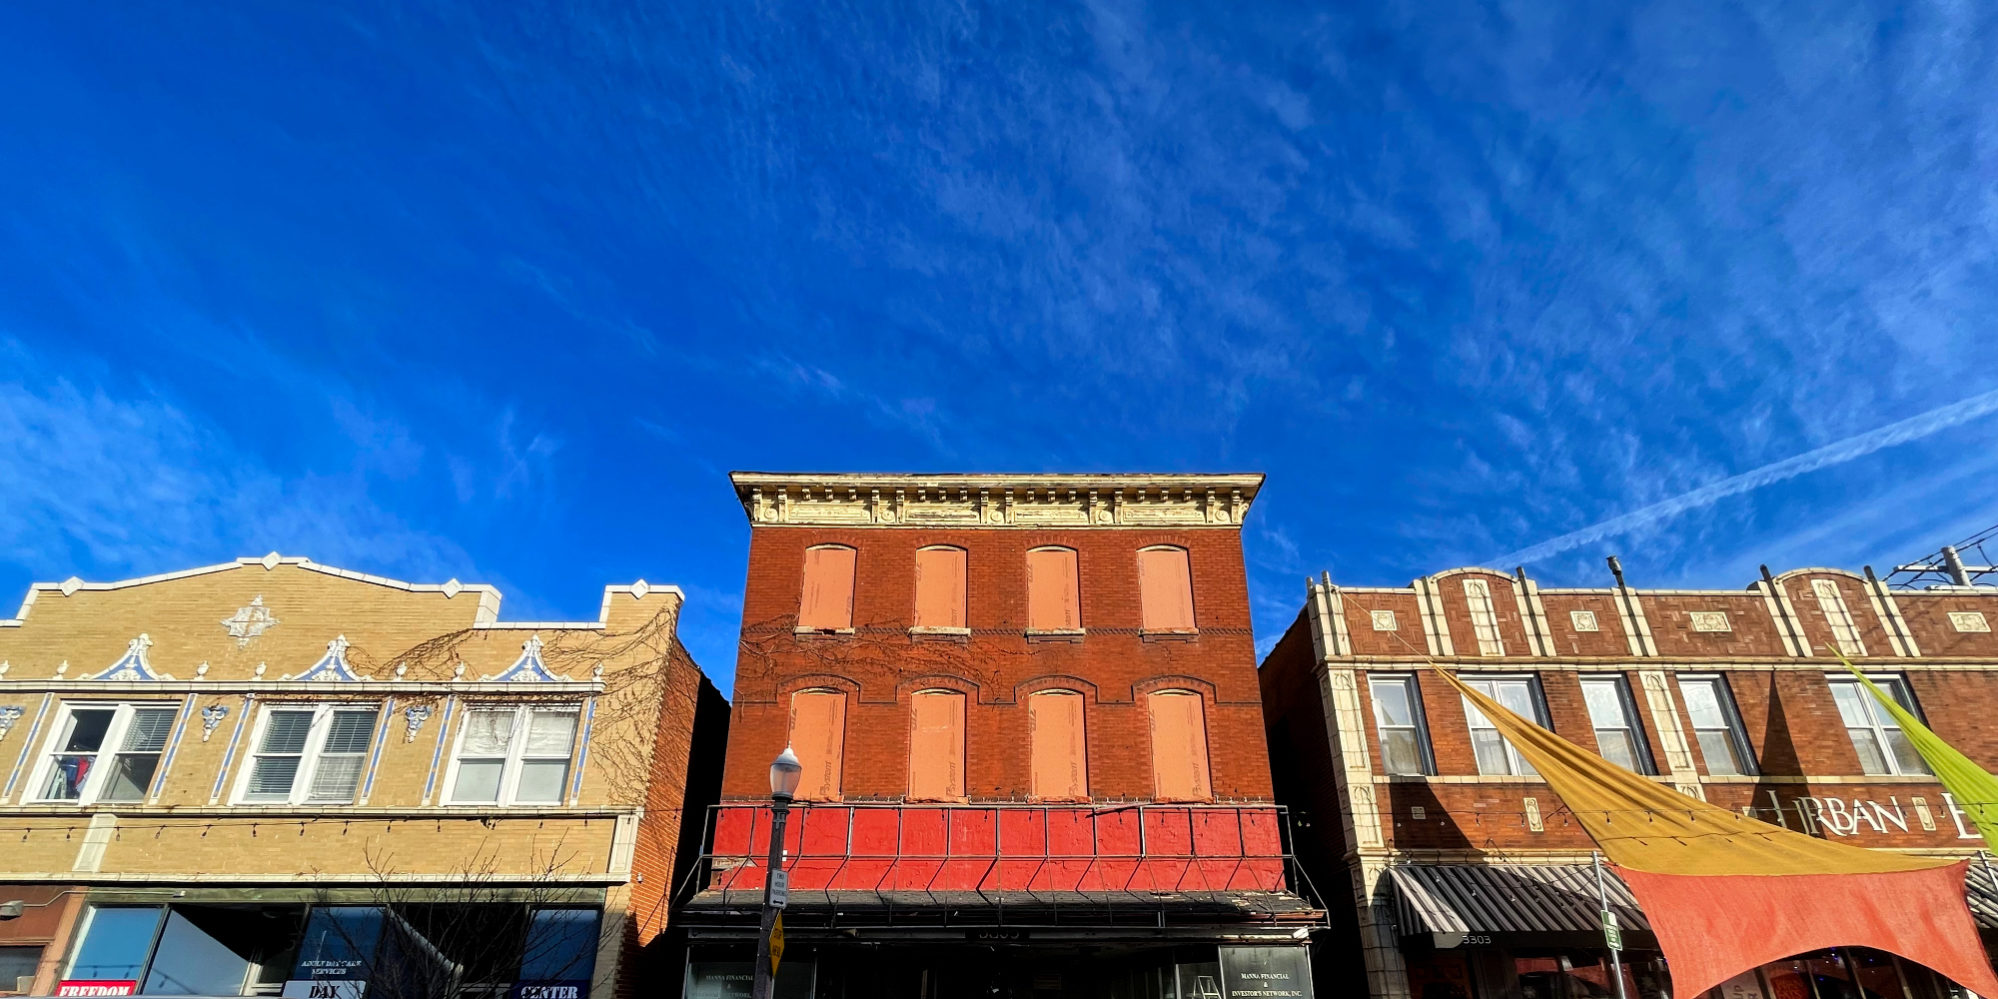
<point>1602,897</point>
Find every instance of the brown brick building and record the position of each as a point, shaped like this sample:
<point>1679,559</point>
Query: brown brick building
<point>1032,736</point>
<point>272,776</point>
<point>1465,876</point>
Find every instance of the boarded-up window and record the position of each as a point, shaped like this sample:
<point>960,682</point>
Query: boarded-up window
<point>940,588</point>
<point>1165,590</point>
<point>1179,747</point>
<point>827,601</point>
<point>1061,757</point>
<point>818,736</point>
<point>936,746</point>
<point>1054,601</point>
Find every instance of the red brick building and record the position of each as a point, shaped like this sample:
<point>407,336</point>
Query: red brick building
<point>1032,735</point>
<point>1465,876</point>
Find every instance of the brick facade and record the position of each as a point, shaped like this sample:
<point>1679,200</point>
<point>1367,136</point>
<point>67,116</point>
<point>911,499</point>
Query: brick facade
<point>416,658</point>
<point>881,664</point>
<point>1773,657</point>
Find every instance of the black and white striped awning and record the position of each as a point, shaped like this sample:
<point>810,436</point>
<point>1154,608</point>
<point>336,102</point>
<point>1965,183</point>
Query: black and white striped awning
<point>1452,903</point>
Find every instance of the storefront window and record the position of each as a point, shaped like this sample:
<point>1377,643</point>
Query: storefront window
<point>561,946</point>
<point>217,950</point>
<point>16,964</point>
<point>339,944</point>
<point>116,940</point>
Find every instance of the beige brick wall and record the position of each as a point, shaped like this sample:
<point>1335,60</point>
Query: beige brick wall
<point>416,646</point>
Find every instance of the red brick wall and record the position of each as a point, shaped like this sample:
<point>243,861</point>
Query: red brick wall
<point>1927,615</point>
<point>1754,631</point>
<point>1457,612</point>
<point>1607,640</point>
<point>1406,640</point>
<point>1817,629</point>
<point>881,665</point>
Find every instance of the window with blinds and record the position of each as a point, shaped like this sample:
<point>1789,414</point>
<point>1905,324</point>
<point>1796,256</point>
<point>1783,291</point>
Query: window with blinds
<point>308,753</point>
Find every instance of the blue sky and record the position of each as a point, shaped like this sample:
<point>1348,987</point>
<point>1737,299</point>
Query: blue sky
<point>501,292</point>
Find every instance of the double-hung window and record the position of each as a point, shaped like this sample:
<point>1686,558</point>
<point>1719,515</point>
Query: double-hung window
<point>1613,714</point>
<point>308,753</point>
<point>1717,726</point>
<point>1883,748</point>
<point>1398,720</point>
<point>1520,695</point>
<point>514,754</point>
<point>103,751</point>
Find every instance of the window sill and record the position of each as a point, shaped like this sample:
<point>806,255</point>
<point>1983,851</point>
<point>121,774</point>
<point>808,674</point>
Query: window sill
<point>1055,634</point>
<point>958,635</point>
<point>803,632</point>
<point>1175,635</point>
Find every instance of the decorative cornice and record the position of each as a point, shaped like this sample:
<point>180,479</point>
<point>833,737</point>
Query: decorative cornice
<point>485,616</point>
<point>995,500</point>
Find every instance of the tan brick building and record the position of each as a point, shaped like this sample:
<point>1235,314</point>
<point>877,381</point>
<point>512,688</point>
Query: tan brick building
<point>1465,876</point>
<point>275,776</point>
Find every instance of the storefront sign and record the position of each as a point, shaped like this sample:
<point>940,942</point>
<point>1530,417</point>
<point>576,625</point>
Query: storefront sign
<point>1266,973</point>
<point>796,979</point>
<point>574,989</point>
<point>1856,816</point>
<point>96,987</point>
<point>324,988</point>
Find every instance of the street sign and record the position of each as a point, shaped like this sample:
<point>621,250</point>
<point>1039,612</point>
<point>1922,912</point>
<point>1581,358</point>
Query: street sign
<point>776,943</point>
<point>1612,933</point>
<point>780,888</point>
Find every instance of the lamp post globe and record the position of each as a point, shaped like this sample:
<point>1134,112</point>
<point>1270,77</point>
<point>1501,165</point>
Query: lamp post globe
<point>785,774</point>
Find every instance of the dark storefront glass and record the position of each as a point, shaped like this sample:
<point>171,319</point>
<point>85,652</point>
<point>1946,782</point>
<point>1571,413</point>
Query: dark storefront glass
<point>218,950</point>
<point>116,941</point>
<point>561,946</point>
<point>16,963</point>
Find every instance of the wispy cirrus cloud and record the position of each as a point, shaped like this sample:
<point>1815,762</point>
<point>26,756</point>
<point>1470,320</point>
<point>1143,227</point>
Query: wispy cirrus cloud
<point>1837,453</point>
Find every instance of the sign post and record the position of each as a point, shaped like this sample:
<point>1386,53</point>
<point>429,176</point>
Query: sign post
<point>1612,933</point>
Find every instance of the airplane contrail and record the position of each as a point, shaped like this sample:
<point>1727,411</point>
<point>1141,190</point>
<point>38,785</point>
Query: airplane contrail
<point>1835,453</point>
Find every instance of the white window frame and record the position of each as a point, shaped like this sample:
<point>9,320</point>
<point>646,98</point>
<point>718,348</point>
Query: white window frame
<point>1425,760</point>
<point>309,757</point>
<point>1844,631</point>
<point>1736,730</point>
<point>1515,763</point>
<point>1879,722</point>
<point>1628,722</point>
<point>100,770</point>
<point>1484,617</point>
<point>515,756</point>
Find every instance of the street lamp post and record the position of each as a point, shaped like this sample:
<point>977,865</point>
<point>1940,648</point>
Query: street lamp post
<point>785,773</point>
